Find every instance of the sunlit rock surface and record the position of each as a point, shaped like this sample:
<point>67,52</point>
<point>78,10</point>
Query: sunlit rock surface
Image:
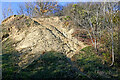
<point>34,36</point>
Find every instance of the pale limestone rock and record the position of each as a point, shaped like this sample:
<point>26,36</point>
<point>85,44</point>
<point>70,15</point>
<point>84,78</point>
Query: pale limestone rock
<point>49,35</point>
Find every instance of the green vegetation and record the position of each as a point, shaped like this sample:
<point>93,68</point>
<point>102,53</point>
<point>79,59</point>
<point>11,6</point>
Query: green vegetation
<point>52,65</point>
<point>19,15</point>
<point>9,60</point>
<point>56,65</point>
<point>102,30</point>
<point>95,66</point>
<point>49,65</point>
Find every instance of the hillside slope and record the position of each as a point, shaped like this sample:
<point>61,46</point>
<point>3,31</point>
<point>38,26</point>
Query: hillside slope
<point>42,48</point>
<point>35,36</point>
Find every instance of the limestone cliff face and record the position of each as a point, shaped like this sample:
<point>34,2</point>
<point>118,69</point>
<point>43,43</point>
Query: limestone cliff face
<point>34,36</point>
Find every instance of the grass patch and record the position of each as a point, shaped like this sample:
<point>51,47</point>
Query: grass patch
<point>9,61</point>
<point>56,65</point>
<point>92,64</point>
<point>52,65</point>
<point>49,65</point>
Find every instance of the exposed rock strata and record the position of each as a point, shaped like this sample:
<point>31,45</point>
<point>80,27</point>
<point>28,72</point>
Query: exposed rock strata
<point>47,35</point>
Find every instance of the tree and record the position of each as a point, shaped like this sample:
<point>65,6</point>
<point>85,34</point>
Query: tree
<point>26,8</point>
<point>87,16</point>
<point>7,12</point>
<point>34,9</point>
<point>111,19</point>
<point>119,27</point>
<point>44,8</point>
<point>96,18</point>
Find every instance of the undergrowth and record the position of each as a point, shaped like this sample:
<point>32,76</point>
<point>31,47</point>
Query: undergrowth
<point>55,65</point>
<point>95,66</point>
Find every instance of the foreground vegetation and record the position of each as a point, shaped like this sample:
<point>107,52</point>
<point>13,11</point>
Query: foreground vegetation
<point>102,30</point>
<point>95,66</point>
<point>56,65</point>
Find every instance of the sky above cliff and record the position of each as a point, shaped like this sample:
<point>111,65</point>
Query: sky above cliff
<point>14,4</point>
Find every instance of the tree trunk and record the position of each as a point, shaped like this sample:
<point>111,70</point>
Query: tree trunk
<point>119,36</point>
<point>113,57</point>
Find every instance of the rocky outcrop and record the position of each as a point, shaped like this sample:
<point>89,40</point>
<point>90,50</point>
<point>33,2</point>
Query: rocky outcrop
<point>47,35</point>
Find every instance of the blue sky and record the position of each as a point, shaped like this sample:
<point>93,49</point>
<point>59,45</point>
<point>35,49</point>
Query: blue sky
<point>15,3</point>
<point>14,6</point>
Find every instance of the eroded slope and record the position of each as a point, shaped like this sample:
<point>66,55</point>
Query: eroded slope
<point>35,36</point>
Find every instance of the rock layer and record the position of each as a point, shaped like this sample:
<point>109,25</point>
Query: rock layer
<point>47,35</point>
